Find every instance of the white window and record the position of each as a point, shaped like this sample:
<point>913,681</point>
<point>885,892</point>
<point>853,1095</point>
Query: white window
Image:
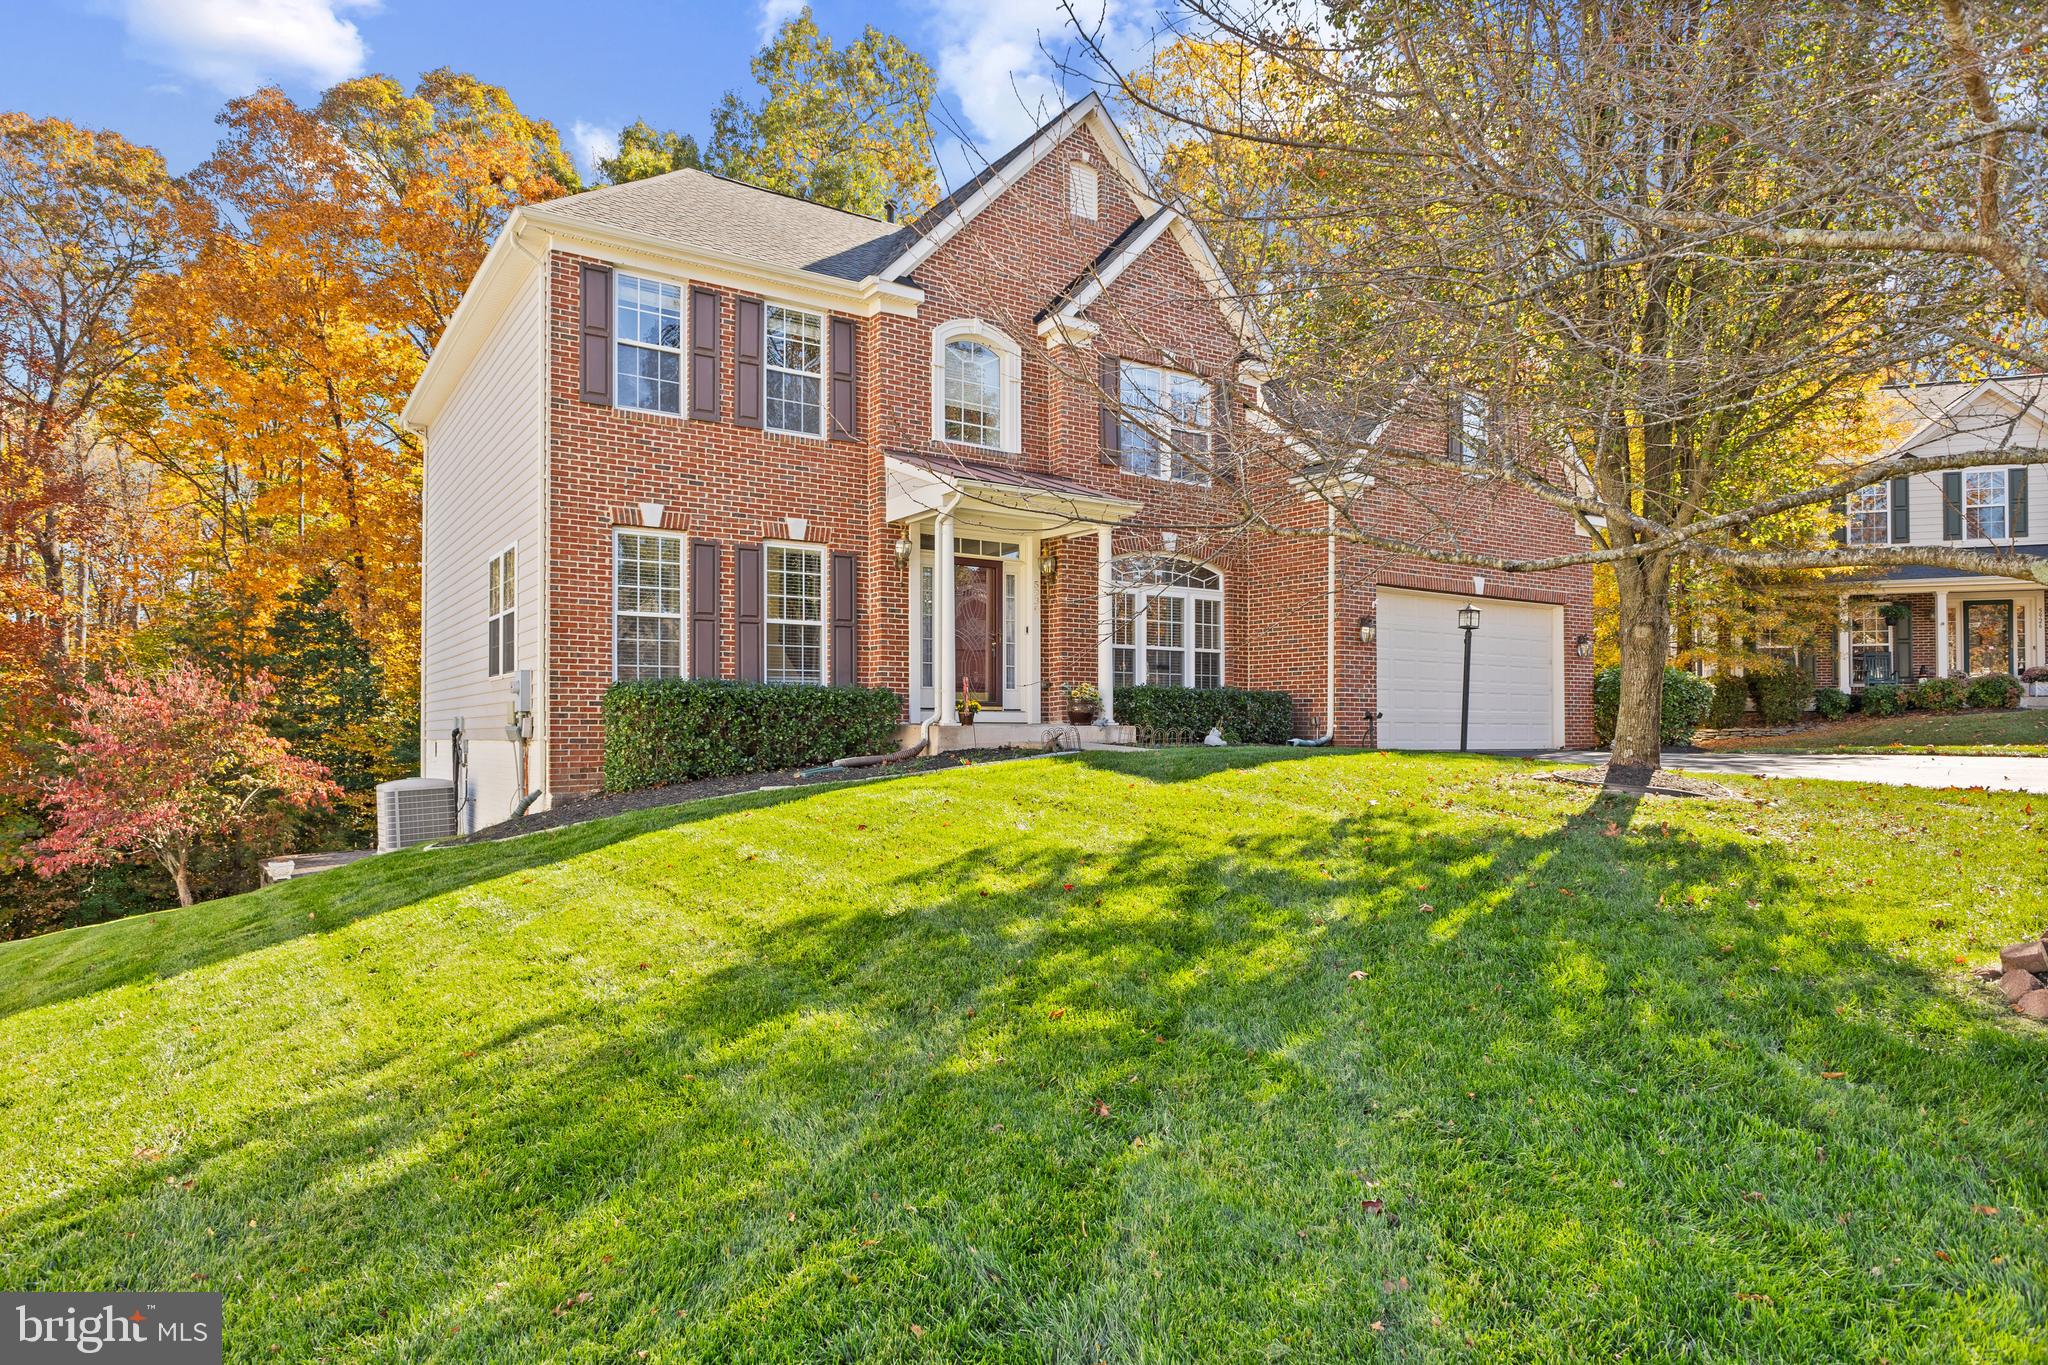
<point>647,606</point>
<point>795,371</point>
<point>1870,514</point>
<point>1472,420</point>
<point>649,318</point>
<point>1177,609</point>
<point>796,614</point>
<point>974,394</point>
<point>1081,190</point>
<point>1165,427</point>
<point>1870,645</point>
<point>502,601</point>
<point>1984,504</point>
<point>924,619</point>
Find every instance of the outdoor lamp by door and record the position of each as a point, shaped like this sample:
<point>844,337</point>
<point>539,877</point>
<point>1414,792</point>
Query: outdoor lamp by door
<point>1468,621</point>
<point>1366,630</point>
<point>903,549</point>
<point>1048,562</point>
<point>1584,645</point>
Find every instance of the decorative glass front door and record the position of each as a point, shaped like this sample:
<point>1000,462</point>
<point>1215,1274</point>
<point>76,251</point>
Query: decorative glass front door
<point>1987,637</point>
<point>978,629</point>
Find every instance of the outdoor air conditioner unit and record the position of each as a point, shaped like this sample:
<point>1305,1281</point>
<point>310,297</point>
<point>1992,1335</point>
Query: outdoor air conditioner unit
<point>413,810</point>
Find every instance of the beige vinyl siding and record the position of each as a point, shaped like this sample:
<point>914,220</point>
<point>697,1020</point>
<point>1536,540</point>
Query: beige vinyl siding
<point>484,476</point>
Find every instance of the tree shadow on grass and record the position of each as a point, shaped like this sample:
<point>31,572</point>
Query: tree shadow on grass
<point>1136,1098</point>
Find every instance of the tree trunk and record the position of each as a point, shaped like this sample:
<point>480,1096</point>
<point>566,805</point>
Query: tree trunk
<point>179,866</point>
<point>1643,601</point>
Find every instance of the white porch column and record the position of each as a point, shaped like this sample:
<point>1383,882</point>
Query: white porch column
<point>1845,676</point>
<point>1105,627</point>
<point>1941,648</point>
<point>945,659</point>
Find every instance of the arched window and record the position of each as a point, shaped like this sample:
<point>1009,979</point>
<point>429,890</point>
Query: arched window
<point>977,376</point>
<point>974,394</point>
<point>1176,608</point>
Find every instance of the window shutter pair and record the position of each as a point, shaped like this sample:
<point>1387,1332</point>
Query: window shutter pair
<point>1112,410</point>
<point>751,615</point>
<point>1952,506</point>
<point>595,310</point>
<point>1902,510</point>
<point>748,374</point>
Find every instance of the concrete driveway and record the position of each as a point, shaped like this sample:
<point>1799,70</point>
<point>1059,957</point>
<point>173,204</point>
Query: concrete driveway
<point>2015,774</point>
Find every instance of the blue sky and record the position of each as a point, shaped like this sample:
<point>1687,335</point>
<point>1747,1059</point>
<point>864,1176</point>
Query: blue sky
<point>159,70</point>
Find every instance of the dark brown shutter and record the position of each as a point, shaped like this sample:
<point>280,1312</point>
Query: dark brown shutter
<point>746,362</point>
<point>842,349</point>
<point>750,586</point>
<point>705,609</point>
<point>597,333</point>
<point>1112,416</point>
<point>842,620</point>
<point>704,355</point>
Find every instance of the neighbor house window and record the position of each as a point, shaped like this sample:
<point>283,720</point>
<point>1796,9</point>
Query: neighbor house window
<point>973,394</point>
<point>796,614</point>
<point>650,344</point>
<point>1984,504</point>
<point>1471,418</point>
<point>647,606</point>
<point>1081,190</point>
<point>795,371</point>
<point>502,600</point>
<point>1870,645</point>
<point>1176,608</point>
<point>1165,428</point>
<point>1870,514</point>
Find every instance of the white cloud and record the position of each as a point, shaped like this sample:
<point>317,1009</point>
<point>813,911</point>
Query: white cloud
<point>591,143</point>
<point>776,13</point>
<point>237,45</point>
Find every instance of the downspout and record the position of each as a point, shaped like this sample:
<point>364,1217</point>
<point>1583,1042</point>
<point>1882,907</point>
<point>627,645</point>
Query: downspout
<point>1329,643</point>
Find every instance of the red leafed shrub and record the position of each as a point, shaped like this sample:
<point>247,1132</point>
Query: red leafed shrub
<point>158,765</point>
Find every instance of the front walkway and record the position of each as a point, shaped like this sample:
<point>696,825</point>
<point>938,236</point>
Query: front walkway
<point>1994,772</point>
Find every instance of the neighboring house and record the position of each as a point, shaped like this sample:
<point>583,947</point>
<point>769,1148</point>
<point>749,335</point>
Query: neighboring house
<point>686,427</point>
<point>1901,625</point>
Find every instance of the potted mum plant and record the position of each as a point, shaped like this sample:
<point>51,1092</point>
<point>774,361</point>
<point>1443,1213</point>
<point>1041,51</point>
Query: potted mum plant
<point>2036,680</point>
<point>1083,701</point>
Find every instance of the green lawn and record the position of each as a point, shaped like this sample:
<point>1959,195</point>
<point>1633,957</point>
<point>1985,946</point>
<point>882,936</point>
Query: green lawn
<point>1917,732</point>
<point>1241,1056</point>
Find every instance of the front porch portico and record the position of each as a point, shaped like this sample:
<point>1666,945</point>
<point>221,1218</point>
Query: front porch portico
<point>1912,626</point>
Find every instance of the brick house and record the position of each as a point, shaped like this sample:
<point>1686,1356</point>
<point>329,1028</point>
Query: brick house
<point>1902,625</point>
<point>684,426</point>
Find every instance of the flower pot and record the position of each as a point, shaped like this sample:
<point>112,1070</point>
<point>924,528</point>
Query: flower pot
<point>967,717</point>
<point>1081,715</point>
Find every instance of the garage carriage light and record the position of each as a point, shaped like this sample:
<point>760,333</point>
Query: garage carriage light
<point>1468,617</point>
<point>1366,630</point>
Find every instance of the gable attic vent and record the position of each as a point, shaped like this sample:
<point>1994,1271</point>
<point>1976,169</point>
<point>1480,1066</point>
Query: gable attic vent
<point>1081,197</point>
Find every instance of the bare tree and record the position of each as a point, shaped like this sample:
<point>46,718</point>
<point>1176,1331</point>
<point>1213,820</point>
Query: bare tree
<point>1665,243</point>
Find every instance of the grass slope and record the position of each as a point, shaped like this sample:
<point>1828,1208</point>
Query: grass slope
<point>1144,1057</point>
<point>1916,732</point>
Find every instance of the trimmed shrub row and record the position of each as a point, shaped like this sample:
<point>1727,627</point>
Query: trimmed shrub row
<point>1731,699</point>
<point>1247,717</point>
<point>1686,701</point>
<point>679,730</point>
<point>1781,694</point>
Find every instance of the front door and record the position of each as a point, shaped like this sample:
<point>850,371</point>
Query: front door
<point>1987,637</point>
<point>978,629</point>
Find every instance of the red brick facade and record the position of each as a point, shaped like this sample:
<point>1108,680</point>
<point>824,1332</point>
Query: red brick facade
<point>734,485</point>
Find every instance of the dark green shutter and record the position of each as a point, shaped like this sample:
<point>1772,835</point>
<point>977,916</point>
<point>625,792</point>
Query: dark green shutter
<point>1952,507</point>
<point>2016,498</point>
<point>1902,510</point>
<point>1902,646</point>
<point>1839,510</point>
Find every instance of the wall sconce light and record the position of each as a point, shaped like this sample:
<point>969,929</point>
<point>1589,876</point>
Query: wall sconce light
<point>1584,645</point>
<point>1048,562</point>
<point>902,548</point>
<point>1366,630</point>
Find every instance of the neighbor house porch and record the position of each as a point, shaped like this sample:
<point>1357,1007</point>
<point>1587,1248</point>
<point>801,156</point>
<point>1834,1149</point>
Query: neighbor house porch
<point>1908,628</point>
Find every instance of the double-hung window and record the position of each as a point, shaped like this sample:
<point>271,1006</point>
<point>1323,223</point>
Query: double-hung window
<point>796,614</point>
<point>1870,645</point>
<point>650,344</point>
<point>502,603</point>
<point>1870,514</point>
<point>794,368</point>
<point>647,606</point>
<point>1984,504</point>
<point>1471,423</point>
<point>974,394</point>
<point>1164,432</point>
<point>1176,609</point>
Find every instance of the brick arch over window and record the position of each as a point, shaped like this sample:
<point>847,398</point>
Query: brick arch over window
<point>1009,360</point>
<point>1166,622</point>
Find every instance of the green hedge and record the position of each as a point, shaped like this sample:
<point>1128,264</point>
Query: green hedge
<point>1686,699</point>
<point>1937,694</point>
<point>1995,690</point>
<point>1832,703</point>
<point>1247,717</point>
<point>1781,694</point>
<point>1731,699</point>
<point>680,730</point>
<point>1882,699</point>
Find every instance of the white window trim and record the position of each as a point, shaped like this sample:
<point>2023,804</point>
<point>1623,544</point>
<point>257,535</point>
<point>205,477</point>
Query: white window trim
<point>683,597</point>
<point>507,613</point>
<point>1852,627</point>
<point>824,375</point>
<point>1882,503</point>
<point>1142,595</point>
<point>1163,429</point>
<point>2002,480</point>
<point>1010,363</point>
<point>682,349</point>
<point>824,621</point>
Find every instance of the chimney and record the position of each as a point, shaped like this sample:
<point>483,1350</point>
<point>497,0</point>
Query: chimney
<point>889,209</point>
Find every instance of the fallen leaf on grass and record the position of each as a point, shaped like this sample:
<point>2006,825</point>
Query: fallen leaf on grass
<point>1833,1075</point>
<point>1357,976</point>
<point>916,1331</point>
<point>1988,1210</point>
<point>1099,1109</point>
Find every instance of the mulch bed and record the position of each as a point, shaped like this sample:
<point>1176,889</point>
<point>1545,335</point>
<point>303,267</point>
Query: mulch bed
<point>1663,782</point>
<point>576,809</point>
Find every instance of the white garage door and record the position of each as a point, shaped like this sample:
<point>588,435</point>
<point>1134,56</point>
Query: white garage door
<point>1515,653</point>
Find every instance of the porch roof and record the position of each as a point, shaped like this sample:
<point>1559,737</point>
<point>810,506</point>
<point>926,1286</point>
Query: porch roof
<point>1003,495</point>
<point>1929,577</point>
